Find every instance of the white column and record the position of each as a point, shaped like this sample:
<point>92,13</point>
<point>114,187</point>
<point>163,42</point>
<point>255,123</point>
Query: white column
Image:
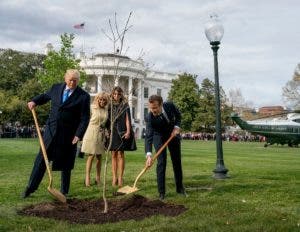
<point>130,93</point>
<point>139,99</point>
<point>142,102</point>
<point>99,83</point>
<point>116,80</point>
<point>140,105</point>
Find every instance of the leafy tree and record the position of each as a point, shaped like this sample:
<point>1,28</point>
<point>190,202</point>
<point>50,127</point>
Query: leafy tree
<point>57,62</point>
<point>205,119</point>
<point>29,89</point>
<point>10,107</point>
<point>16,68</point>
<point>205,115</point>
<point>185,94</point>
<point>226,111</point>
<point>3,106</point>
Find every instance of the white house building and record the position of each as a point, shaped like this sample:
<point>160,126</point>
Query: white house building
<point>138,82</point>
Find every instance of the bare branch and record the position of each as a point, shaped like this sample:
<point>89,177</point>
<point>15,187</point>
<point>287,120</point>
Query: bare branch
<point>127,49</point>
<point>112,30</point>
<point>117,26</point>
<point>126,28</point>
<point>141,54</point>
<point>291,93</point>
<point>113,35</point>
<point>103,31</point>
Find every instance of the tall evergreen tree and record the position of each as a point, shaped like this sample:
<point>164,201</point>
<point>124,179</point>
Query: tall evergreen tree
<point>205,115</point>
<point>205,119</point>
<point>185,94</point>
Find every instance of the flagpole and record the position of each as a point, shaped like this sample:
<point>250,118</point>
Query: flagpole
<point>81,27</point>
<point>83,40</point>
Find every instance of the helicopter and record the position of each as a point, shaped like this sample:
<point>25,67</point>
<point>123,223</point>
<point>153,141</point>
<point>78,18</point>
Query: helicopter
<point>281,130</point>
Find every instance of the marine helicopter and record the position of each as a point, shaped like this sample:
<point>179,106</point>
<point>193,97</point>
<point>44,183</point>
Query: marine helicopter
<point>279,130</point>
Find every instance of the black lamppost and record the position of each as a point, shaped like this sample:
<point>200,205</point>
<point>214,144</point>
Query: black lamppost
<point>214,32</point>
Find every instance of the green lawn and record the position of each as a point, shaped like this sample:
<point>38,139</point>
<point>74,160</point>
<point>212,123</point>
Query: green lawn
<point>262,193</point>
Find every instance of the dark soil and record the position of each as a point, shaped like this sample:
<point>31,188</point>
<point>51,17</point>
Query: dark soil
<point>85,211</point>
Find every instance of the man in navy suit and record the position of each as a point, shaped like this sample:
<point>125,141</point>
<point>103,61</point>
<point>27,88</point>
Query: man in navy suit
<point>163,120</point>
<point>66,125</point>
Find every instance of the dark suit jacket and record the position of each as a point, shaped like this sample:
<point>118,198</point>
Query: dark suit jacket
<point>165,128</point>
<point>65,121</point>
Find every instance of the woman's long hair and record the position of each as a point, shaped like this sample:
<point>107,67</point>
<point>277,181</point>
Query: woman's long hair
<point>119,90</point>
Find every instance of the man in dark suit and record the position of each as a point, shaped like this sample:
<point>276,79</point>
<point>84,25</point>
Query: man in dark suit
<point>163,120</point>
<point>66,125</point>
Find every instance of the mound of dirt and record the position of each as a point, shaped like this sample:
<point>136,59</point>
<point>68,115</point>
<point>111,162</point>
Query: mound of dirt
<point>90,211</point>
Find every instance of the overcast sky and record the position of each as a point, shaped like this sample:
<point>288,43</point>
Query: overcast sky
<point>258,53</point>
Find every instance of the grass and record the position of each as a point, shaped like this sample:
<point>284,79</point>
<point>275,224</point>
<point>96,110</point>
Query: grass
<point>262,193</point>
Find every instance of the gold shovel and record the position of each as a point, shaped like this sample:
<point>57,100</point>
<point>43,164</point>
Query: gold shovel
<point>128,189</point>
<point>54,192</point>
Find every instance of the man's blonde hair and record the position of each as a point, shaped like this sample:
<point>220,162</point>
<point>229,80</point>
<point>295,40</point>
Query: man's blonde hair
<point>73,72</point>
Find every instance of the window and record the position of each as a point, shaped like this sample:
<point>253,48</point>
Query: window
<point>146,92</point>
<point>133,112</point>
<point>145,112</point>
<point>159,92</point>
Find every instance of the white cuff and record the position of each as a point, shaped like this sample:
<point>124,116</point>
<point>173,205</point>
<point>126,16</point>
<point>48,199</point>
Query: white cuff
<point>148,154</point>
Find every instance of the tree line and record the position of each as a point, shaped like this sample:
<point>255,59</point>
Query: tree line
<point>197,103</point>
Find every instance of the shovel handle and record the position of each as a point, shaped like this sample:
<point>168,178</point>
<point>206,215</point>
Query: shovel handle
<point>42,144</point>
<point>153,159</point>
<point>161,149</point>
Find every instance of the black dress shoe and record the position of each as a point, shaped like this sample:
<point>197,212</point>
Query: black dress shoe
<point>182,192</point>
<point>26,193</point>
<point>161,196</point>
<point>64,193</point>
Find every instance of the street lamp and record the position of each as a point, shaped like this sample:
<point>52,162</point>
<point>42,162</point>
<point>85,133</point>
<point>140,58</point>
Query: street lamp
<point>214,32</point>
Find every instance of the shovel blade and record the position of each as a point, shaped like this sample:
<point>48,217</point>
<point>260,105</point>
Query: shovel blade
<point>127,189</point>
<point>57,194</point>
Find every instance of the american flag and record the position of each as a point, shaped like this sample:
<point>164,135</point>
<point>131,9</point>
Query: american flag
<point>79,26</point>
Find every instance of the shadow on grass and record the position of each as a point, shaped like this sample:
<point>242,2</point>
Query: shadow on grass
<point>207,183</point>
<point>240,188</point>
<point>199,183</point>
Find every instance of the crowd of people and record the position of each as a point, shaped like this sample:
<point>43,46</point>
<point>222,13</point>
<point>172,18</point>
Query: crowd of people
<point>235,137</point>
<point>17,131</point>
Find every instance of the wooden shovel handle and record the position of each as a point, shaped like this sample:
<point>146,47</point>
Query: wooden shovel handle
<point>153,159</point>
<point>42,144</point>
<point>161,149</point>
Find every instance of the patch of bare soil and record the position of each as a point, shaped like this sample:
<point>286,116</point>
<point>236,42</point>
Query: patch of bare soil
<point>86,211</point>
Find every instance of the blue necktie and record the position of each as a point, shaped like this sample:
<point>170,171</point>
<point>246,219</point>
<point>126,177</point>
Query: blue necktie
<point>65,95</point>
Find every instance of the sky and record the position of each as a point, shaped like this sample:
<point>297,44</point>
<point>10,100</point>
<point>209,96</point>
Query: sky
<point>258,54</point>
